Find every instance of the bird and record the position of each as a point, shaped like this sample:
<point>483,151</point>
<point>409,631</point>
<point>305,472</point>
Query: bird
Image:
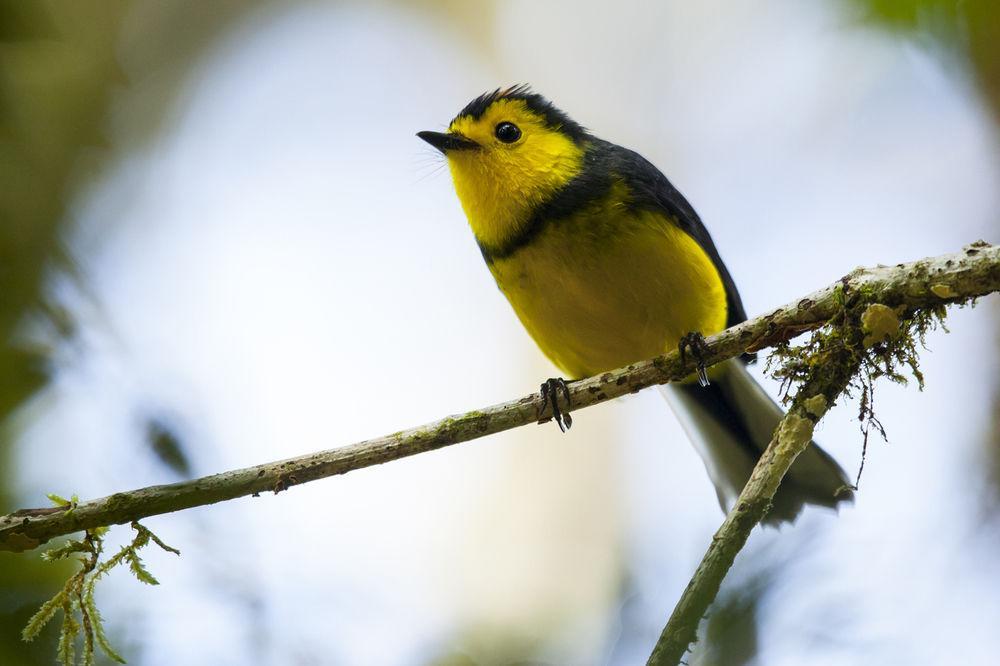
<point>606,263</point>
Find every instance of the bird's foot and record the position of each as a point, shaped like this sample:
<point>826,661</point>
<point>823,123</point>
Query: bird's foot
<point>550,398</point>
<point>695,343</point>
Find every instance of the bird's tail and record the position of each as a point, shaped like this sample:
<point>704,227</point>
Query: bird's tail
<point>730,423</point>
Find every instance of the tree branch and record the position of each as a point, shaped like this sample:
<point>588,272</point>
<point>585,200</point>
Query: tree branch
<point>791,437</point>
<point>926,283</point>
<point>835,362</point>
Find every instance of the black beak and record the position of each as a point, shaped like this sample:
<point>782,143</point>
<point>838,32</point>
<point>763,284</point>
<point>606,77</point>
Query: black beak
<point>445,142</point>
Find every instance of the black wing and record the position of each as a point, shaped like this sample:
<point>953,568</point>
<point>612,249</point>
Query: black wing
<point>652,191</point>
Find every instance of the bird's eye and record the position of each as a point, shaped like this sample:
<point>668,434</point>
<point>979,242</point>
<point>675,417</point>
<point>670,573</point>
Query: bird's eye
<point>507,132</point>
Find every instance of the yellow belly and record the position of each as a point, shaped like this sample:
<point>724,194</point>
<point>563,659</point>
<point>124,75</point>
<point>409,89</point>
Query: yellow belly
<point>611,286</point>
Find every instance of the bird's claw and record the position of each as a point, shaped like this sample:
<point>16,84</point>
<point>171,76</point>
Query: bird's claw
<point>695,343</point>
<point>550,398</point>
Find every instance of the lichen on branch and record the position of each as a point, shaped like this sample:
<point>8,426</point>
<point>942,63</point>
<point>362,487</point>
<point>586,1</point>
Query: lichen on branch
<point>882,342</point>
<point>915,290</point>
<point>876,331</point>
<point>872,324</point>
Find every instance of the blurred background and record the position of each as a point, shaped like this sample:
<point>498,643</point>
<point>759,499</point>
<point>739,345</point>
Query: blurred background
<point>221,244</point>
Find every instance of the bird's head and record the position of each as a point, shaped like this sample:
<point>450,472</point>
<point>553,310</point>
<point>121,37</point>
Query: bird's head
<point>509,151</point>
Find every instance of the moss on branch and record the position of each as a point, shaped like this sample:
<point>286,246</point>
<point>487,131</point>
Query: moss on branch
<point>869,325</point>
<point>877,331</point>
<point>912,290</point>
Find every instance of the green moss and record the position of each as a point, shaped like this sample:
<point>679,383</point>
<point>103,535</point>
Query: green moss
<point>865,342</point>
<point>76,598</point>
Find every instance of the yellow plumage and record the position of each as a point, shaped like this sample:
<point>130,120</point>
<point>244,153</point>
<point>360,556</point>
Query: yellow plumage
<point>608,287</point>
<point>606,264</point>
<point>500,188</point>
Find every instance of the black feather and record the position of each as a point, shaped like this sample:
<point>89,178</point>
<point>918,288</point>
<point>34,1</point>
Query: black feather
<point>603,164</point>
<point>554,118</point>
<point>651,190</point>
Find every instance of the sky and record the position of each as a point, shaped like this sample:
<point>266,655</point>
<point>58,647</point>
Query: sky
<point>286,268</point>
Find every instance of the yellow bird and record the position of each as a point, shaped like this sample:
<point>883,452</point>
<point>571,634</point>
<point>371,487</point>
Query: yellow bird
<point>605,263</point>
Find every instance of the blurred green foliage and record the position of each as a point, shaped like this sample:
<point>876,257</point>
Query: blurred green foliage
<point>731,632</point>
<point>60,68</point>
<point>57,70</point>
<point>971,30</point>
<point>968,28</point>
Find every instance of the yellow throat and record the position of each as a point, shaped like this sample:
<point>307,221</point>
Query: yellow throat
<point>500,184</point>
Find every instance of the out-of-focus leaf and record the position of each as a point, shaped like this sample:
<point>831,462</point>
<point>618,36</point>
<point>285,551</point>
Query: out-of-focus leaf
<point>61,67</point>
<point>166,445</point>
<point>731,632</point>
<point>970,28</point>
